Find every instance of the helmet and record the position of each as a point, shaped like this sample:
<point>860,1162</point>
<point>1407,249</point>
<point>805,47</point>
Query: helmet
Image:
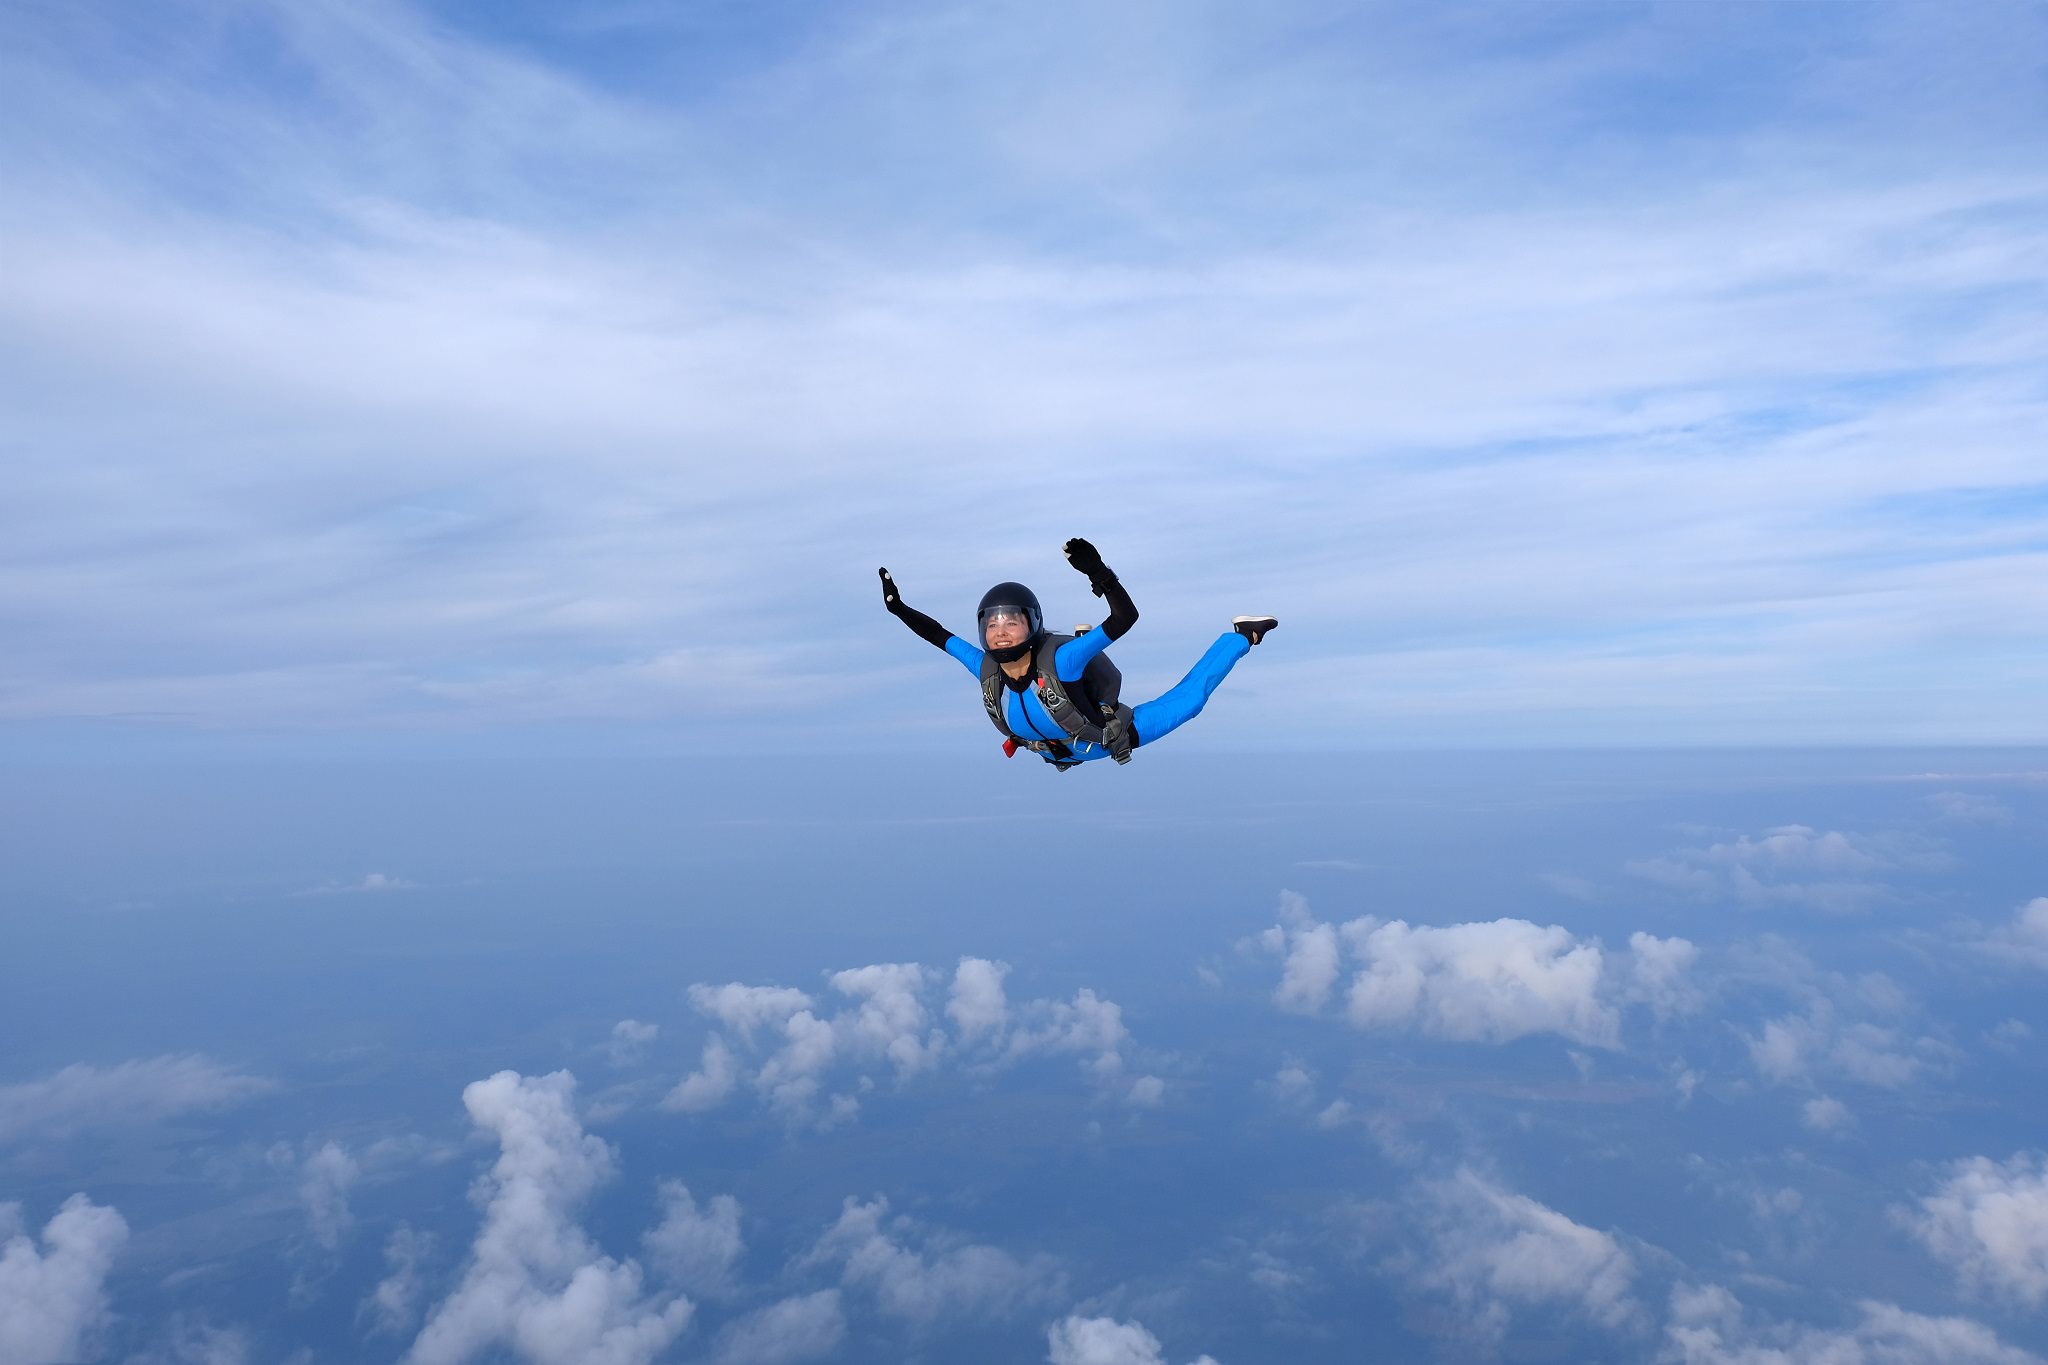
<point>1011,595</point>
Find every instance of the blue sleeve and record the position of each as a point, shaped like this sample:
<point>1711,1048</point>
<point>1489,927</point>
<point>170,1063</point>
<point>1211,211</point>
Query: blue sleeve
<point>1076,654</point>
<point>965,653</point>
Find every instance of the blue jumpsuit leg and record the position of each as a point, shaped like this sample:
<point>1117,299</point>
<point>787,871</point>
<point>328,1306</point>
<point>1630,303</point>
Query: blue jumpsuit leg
<point>1183,702</point>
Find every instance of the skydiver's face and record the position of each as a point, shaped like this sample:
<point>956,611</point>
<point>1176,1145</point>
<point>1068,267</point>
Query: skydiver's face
<point>1003,628</point>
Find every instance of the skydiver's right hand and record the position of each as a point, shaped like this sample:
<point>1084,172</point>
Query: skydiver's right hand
<point>891,599</point>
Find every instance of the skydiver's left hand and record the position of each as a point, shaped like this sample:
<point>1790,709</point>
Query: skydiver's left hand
<point>1088,560</point>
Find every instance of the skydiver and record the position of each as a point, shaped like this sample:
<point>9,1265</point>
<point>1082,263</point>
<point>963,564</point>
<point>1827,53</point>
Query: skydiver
<point>1072,713</point>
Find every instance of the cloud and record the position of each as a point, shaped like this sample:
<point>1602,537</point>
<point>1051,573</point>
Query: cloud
<point>745,1008</point>
<point>150,1090</point>
<point>1708,1326</point>
<point>324,1184</point>
<point>2025,940</point>
<point>945,1277</point>
<point>710,1084</point>
<point>1970,808</point>
<point>190,1340</point>
<point>372,884</point>
<point>806,1327</point>
<point>695,1249</point>
<point>1478,982</point>
<point>393,1306</point>
<point>976,1004</point>
<point>629,1040</point>
<point>890,1017</point>
<point>1075,1340</point>
<point>1825,1114</point>
<point>1795,1048</point>
<point>1309,968</point>
<point>794,1045</point>
<point>1490,981</point>
<point>1659,975</point>
<point>1988,1221</point>
<point>535,1283</point>
<point>53,1301</point>
<point>1831,871</point>
<point>1496,1251</point>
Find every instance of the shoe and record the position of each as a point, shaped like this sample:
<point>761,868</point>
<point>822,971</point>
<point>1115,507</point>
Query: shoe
<point>1253,628</point>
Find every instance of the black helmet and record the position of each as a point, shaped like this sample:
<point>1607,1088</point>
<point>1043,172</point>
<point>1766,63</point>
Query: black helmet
<point>1010,595</point>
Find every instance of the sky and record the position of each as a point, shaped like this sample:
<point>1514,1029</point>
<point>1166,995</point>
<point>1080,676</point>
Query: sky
<point>483,881</point>
<point>1694,1058</point>
<point>385,376</point>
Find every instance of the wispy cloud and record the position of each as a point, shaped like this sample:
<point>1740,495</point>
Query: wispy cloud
<point>1832,871</point>
<point>1710,1326</point>
<point>148,1090</point>
<point>455,379</point>
<point>919,1276</point>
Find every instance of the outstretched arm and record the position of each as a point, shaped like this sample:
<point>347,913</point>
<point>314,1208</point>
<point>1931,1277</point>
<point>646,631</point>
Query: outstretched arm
<point>926,629</point>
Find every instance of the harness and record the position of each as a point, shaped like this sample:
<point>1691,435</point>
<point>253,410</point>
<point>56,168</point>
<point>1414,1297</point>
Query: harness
<point>1087,708</point>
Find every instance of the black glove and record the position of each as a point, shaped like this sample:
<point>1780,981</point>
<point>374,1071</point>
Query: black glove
<point>1088,560</point>
<point>891,599</point>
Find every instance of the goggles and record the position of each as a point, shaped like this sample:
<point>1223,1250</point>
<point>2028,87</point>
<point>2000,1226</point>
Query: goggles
<point>1005,616</point>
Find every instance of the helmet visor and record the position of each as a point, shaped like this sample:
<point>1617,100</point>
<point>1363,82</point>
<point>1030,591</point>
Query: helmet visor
<point>1000,615</point>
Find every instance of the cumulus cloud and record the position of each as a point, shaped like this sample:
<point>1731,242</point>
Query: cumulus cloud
<point>1708,1326</point>
<point>1488,981</point>
<point>1659,975</point>
<point>789,1048</point>
<point>796,1329</point>
<point>745,1008</point>
<point>53,1300</point>
<point>1495,1251</point>
<point>976,1004</point>
<point>1075,1340</point>
<point>717,1073</point>
<point>535,1283</point>
<point>695,1249</point>
<point>1478,982</point>
<point>890,1017</point>
<point>1309,953</point>
<point>940,1276</point>
<point>1830,871</point>
<point>142,1091</point>
<point>1798,1047</point>
<point>1988,1221</point>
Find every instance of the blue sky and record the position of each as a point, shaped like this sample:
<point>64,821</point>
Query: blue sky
<point>1560,373</point>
